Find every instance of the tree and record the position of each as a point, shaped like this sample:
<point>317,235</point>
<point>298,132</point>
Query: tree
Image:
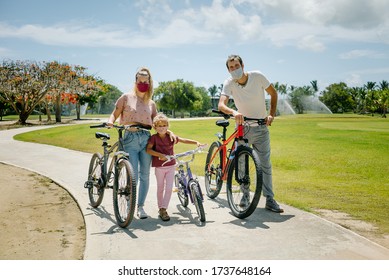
<point>106,102</point>
<point>177,96</point>
<point>356,94</point>
<point>298,96</point>
<point>370,104</point>
<point>23,85</point>
<point>337,98</point>
<point>206,101</point>
<point>73,80</point>
<point>3,107</point>
<point>283,89</point>
<point>383,97</point>
<point>314,86</point>
<point>213,91</point>
<point>87,89</point>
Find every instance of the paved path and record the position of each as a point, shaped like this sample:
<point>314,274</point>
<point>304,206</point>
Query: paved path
<point>293,235</point>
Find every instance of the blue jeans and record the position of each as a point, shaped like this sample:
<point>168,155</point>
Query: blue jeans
<point>258,136</point>
<point>135,145</point>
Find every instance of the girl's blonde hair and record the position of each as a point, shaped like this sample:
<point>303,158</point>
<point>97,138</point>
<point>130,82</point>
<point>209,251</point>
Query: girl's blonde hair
<point>143,71</point>
<point>160,117</point>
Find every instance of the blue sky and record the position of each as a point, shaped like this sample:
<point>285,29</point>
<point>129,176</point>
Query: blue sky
<point>290,41</point>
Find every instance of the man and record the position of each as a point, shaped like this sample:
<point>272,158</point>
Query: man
<point>248,91</point>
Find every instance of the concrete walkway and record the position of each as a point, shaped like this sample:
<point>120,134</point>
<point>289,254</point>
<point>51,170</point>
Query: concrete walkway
<point>293,235</point>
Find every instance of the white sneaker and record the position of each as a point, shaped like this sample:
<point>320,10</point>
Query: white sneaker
<point>141,213</point>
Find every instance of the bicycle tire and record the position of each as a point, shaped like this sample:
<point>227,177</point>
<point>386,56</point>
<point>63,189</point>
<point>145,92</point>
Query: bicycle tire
<point>244,182</point>
<point>124,193</point>
<point>95,180</point>
<point>182,195</point>
<point>197,199</point>
<point>213,171</point>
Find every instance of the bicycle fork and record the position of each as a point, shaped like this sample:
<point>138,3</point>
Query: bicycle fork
<point>241,165</point>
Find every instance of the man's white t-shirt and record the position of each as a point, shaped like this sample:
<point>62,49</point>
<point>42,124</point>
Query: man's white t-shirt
<point>250,98</point>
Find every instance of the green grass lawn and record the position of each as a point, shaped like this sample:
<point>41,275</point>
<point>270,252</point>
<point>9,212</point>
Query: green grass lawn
<point>334,162</point>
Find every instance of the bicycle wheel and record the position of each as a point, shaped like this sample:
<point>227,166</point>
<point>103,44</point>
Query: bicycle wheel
<point>182,195</point>
<point>124,193</point>
<point>95,183</point>
<point>213,170</point>
<point>197,199</point>
<point>244,182</point>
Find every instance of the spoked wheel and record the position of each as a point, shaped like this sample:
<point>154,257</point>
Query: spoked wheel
<point>95,183</point>
<point>244,182</point>
<point>197,199</point>
<point>182,195</point>
<point>124,193</point>
<point>213,171</point>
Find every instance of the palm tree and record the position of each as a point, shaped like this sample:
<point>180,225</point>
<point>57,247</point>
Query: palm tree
<point>370,87</point>
<point>384,85</point>
<point>314,86</point>
<point>383,97</point>
<point>213,91</point>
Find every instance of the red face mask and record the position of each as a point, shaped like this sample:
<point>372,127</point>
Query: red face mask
<point>142,87</point>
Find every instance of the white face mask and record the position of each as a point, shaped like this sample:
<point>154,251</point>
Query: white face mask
<point>237,73</point>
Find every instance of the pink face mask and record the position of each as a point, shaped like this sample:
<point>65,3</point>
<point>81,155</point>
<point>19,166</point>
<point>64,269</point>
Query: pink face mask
<point>142,87</point>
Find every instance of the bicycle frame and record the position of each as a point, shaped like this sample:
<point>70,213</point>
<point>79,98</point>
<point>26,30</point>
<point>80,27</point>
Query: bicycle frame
<point>236,136</point>
<point>186,173</point>
<point>117,150</point>
<point>186,176</point>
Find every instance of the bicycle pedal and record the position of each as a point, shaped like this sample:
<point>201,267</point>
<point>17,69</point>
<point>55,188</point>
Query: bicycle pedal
<point>88,184</point>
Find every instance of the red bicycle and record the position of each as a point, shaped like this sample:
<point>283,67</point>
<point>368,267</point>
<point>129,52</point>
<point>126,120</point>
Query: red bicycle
<point>238,165</point>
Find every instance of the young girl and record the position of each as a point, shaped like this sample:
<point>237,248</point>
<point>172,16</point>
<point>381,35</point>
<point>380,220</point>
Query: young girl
<point>158,146</point>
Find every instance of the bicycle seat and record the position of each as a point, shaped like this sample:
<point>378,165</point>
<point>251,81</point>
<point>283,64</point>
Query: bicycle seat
<point>223,123</point>
<point>100,135</point>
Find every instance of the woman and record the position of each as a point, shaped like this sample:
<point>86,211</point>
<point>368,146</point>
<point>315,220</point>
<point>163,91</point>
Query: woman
<point>136,107</point>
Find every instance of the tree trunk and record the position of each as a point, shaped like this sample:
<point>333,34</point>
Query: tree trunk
<point>23,116</point>
<point>48,113</point>
<point>58,109</point>
<point>78,110</point>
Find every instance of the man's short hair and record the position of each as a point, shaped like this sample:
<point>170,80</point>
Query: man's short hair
<point>234,57</point>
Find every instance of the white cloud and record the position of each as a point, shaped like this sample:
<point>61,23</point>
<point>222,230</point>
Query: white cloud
<point>310,42</point>
<point>344,13</point>
<point>68,35</point>
<point>305,24</point>
<point>360,77</point>
<point>228,22</point>
<point>354,80</point>
<point>361,54</point>
<point>288,22</point>
<point>158,26</point>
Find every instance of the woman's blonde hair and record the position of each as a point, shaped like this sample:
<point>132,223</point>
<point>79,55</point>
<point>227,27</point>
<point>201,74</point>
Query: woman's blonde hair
<point>143,71</point>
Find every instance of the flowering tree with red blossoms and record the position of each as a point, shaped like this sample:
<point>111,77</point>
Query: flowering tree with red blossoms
<point>25,84</point>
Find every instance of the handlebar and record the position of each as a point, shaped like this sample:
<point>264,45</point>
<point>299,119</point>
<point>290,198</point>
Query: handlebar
<point>199,149</point>
<point>105,125</point>
<point>228,116</point>
<point>224,115</point>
